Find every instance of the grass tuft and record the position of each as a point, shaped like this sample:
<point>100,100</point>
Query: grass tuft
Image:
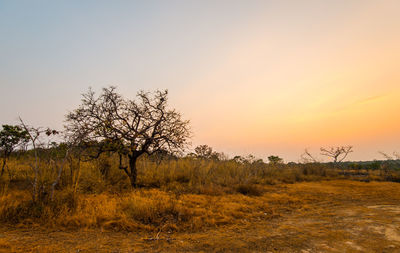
<point>249,189</point>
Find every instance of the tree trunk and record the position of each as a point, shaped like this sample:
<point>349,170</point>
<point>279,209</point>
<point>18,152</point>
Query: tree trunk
<point>4,162</point>
<point>2,168</point>
<point>133,171</point>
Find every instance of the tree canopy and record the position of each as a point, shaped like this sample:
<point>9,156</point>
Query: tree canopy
<point>10,138</point>
<point>275,159</point>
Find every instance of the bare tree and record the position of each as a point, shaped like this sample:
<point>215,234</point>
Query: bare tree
<point>307,157</point>
<point>394,156</point>
<point>338,154</point>
<point>391,160</point>
<point>110,123</point>
<point>34,135</point>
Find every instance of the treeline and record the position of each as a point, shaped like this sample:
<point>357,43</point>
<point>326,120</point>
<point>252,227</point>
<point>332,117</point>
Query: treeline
<point>59,167</point>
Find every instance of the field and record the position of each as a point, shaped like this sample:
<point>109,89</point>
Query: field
<point>323,216</point>
<point>120,178</point>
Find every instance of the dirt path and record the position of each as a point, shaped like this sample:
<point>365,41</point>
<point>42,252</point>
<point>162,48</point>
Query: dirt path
<point>336,217</point>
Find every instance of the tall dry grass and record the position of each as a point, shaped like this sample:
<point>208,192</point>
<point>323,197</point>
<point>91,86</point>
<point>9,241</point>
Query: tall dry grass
<point>175,194</point>
<point>147,209</point>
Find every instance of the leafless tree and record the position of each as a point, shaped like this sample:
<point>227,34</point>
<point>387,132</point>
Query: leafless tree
<point>394,156</point>
<point>386,155</point>
<point>307,157</point>
<point>110,123</point>
<point>34,134</point>
<point>338,154</point>
<point>36,142</point>
<point>391,160</point>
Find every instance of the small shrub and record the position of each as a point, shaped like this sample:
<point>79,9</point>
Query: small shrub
<point>155,209</point>
<point>249,190</point>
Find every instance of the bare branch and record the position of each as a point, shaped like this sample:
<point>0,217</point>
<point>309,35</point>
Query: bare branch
<point>338,154</point>
<point>307,157</point>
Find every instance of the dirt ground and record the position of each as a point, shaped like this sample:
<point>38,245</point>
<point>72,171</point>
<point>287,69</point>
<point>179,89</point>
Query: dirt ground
<point>336,216</point>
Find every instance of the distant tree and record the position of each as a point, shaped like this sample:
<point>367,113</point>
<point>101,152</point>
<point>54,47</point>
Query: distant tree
<point>127,127</point>
<point>394,156</point>
<point>275,159</point>
<point>39,138</point>
<point>250,158</point>
<point>239,159</point>
<point>219,156</point>
<point>203,151</point>
<point>10,138</point>
<point>338,154</point>
<point>386,155</point>
<point>206,152</point>
<point>392,161</point>
<point>258,162</point>
<point>307,157</point>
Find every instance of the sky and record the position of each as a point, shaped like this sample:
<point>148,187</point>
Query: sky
<point>253,77</point>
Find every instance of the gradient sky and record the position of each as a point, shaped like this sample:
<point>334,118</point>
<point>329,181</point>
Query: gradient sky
<point>260,77</point>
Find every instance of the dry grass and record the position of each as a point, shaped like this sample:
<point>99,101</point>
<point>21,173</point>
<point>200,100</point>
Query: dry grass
<point>330,216</point>
<point>182,202</point>
<point>5,245</point>
<point>180,175</point>
<point>149,210</point>
<point>182,194</point>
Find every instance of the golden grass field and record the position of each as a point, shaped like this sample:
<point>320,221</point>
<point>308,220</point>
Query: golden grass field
<point>324,216</point>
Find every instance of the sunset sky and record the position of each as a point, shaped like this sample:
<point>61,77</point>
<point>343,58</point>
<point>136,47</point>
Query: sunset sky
<point>260,77</point>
